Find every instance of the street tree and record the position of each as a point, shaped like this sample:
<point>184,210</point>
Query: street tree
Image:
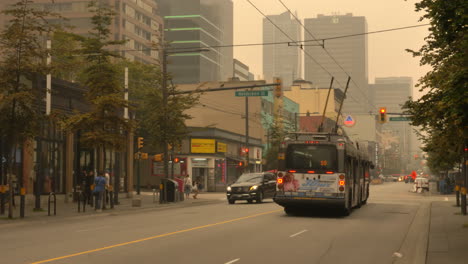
<point>441,112</point>
<point>277,131</point>
<point>159,124</point>
<point>102,128</point>
<point>22,56</point>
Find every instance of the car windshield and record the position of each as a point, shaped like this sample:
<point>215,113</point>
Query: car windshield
<point>251,177</point>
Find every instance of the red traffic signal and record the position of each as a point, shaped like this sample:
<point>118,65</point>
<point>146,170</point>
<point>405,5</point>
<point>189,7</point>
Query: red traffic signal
<point>240,164</point>
<point>176,160</point>
<point>382,115</point>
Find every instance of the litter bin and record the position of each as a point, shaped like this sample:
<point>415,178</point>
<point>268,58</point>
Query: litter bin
<point>169,191</point>
<point>180,189</point>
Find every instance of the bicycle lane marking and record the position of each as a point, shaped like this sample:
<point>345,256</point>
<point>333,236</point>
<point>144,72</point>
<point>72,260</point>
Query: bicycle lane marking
<point>154,237</point>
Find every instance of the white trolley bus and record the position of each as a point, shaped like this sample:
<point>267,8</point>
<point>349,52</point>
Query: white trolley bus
<point>321,170</point>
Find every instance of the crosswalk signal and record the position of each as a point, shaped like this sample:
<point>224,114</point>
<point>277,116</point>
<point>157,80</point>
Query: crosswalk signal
<point>278,88</point>
<point>140,142</point>
<point>382,115</point>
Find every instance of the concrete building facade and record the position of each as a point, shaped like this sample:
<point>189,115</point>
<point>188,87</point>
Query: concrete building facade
<point>281,61</point>
<point>312,102</point>
<point>199,24</point>
<point>137,22</point>
<point>241,71</point>
<point>214,152</point>
<point>350,53</point>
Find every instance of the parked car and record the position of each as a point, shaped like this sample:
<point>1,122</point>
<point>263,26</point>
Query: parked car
<point>252,186</point>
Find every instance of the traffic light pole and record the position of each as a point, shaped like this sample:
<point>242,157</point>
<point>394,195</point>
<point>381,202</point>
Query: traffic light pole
<point>138,174</point>
<point>247,132</point>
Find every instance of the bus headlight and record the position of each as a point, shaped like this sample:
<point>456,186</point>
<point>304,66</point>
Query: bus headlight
<point>228,188</point>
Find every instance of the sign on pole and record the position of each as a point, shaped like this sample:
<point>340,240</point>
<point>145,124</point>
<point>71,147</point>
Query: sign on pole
<point>399,118</point>
<point>252,93</point>
<point>349,121</point>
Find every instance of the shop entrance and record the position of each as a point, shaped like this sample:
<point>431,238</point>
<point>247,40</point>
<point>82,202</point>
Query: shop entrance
<point>200,174</point>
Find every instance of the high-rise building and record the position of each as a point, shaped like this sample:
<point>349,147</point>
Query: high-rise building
<point>241,71</point>
<point>392,93</point>
<point>199,24</point>
<point>350,53</point>
<point>281,60</point>
<point>137,22</point>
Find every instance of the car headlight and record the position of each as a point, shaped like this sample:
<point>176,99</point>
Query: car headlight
<point>253,188</point>
<point>228,188</point>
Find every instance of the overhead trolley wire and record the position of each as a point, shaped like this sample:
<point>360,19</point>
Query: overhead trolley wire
<point>306,53</point>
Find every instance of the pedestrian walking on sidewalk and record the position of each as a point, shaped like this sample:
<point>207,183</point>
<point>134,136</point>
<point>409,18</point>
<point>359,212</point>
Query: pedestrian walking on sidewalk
<point>195,188</point>
<point>99,190</point>
<point>187,186</point>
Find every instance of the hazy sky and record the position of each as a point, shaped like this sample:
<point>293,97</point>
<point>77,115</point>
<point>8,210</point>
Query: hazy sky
<point>387,56</point>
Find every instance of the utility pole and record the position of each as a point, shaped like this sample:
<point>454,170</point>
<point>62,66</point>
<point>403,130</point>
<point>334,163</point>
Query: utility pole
<point>165,99</point>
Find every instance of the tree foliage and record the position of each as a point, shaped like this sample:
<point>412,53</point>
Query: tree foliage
<point>103,127</point>
<point>158,124</point>
<point>22,55</point>
<point>441,112</point>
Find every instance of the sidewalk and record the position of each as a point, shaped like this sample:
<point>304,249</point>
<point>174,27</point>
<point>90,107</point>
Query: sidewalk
<point>70,210</point>
<point>448,234</point>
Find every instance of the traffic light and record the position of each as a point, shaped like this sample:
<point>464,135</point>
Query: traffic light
<point>246,150</point>
<point>278,87</point>
<point>241,164</point>
<point>382,115</point>
<point>140,143</point>
<point>176,160</point>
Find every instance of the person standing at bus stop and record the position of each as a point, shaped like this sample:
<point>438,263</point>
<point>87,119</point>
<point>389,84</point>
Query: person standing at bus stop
<point>99,189</point>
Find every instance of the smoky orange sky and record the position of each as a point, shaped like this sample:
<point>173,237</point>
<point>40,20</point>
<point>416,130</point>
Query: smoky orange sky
<point>386,51</point>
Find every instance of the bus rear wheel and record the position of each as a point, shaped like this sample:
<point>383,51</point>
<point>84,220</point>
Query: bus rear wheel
<point>348,206</point>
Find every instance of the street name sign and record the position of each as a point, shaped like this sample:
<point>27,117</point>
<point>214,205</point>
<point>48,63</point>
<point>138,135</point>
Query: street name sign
<point>399,118</point>
<point>251,93</point>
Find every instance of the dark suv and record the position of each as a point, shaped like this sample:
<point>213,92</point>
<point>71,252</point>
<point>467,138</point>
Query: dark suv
<point>252,186</point>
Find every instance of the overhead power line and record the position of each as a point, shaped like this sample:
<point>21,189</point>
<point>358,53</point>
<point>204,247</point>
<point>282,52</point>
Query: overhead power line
<point>297,42</point>
<point>305,52</point>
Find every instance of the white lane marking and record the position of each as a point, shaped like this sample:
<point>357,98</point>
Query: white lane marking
<point>446,199</point>
<point>298,233</point>
<point>232,261</point>
<point>92,229</point>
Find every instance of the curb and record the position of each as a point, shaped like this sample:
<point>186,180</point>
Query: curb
<point>127,211</point>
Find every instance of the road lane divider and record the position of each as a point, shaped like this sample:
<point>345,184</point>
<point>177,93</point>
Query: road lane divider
<point>298,233</point>
<point>154,237</point>
<point>232,261</point>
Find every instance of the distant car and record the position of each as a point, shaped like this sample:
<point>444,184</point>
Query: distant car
<point>391,178</point>
<point>252,186</point>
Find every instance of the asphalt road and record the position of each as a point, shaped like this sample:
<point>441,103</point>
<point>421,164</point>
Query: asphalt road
<point>393,223</point>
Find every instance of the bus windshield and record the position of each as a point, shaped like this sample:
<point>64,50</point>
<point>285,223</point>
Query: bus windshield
<point>311,157</point>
